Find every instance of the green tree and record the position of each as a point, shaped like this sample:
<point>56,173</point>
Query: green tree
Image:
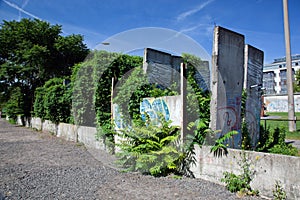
<point>297,82</point>
<point>14,105</point>
<point>32,52</point>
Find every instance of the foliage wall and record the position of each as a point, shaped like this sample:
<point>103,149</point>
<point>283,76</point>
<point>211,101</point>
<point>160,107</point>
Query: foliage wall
<point>53,101</point>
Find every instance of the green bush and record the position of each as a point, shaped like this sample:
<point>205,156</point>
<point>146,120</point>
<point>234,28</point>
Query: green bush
<point>38,106</point>
<point>151,149</point>
<point>15,104</point>
<point>240,183</point>
<point>286,149</point>
<point>274,142</point>
<point>57,104</point>
<point>53,101</point>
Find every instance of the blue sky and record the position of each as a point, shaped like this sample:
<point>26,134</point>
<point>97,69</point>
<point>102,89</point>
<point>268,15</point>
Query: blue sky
<point>261,21</point>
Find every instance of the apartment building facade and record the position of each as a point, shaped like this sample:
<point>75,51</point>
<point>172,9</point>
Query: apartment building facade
<point>274,75</point>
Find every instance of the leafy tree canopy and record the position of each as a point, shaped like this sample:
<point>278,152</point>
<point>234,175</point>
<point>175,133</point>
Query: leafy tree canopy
<point>32,52</point>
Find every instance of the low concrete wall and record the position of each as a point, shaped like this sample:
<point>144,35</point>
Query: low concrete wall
<point>28,122</point>
<point>70,132</point>
<point>23,121</point>
<point>268,168</point>
<point>19,121</point>
<point>87,135</point>
<point>36,123</point>
<point>50,127</point>
<point>67,131</point>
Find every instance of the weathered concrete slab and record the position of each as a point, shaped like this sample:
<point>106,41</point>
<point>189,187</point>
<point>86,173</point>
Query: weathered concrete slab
<point>87,136</point>
<point>202,75</point>
<point>162,68</point>
<point>253,84</point>
<point>36,123</point>
<point>67,131</point>
<point>50,127</point>
<point>227,83</point>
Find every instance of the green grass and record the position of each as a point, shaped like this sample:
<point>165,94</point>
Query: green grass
<point>284,115</point>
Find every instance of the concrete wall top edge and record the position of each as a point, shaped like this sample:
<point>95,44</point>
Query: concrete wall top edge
<point>256,53</point>
<point>162,57</point>
<point>220,28</point>
<point>254,48</point>
<point>161,52</point>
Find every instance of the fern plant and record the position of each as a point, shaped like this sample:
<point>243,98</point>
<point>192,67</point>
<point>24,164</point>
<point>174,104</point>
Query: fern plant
<point>151,149</point>
<point>220,148</point>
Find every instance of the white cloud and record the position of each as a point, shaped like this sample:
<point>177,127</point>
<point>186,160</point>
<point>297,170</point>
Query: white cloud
<point>183,15</point>
<point>20,9</point>
<point>192,28</point>
<point>25,2</point>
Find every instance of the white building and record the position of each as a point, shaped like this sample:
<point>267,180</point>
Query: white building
<point>274,75</point>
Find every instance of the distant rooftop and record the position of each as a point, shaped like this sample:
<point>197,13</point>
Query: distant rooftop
<point>294,57</point>
<point>280,62</point>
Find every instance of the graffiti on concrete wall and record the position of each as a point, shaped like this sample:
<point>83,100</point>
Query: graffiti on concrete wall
<point>117,117</point>
<point>280,103</point>
<point>154,107</point>
<point>229,119</point>
<point>168,107</point>
<point>277,105</point>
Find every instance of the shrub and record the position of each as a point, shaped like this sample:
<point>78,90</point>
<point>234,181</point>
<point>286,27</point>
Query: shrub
<point>240,183</point>
<point>274,142</point>
<point>15,104</point>
<point>151,149</point>
<point>53,101</point>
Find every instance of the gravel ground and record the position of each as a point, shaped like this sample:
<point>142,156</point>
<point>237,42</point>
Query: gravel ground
<point>36,165</point>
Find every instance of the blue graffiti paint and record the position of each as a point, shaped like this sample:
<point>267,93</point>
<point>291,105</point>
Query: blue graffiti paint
<point>117,117</point>
<point>158,106</point>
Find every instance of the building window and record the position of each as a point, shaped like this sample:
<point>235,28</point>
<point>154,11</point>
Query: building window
<point>269,82</point>
<point>283,80</point>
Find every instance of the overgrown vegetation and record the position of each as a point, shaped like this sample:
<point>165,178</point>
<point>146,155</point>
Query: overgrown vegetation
<point>220,147</point>
<point>151,149</point>
<point>241,183</point>
<point>278,192</point>
<point>274,142</point>
<point>159,154</point>
<point>53,101</point>
<point>271,140</point>
<point>15,105</point>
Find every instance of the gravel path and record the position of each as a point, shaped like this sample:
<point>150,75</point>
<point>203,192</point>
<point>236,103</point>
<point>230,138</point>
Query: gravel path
<point>35,165</point>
